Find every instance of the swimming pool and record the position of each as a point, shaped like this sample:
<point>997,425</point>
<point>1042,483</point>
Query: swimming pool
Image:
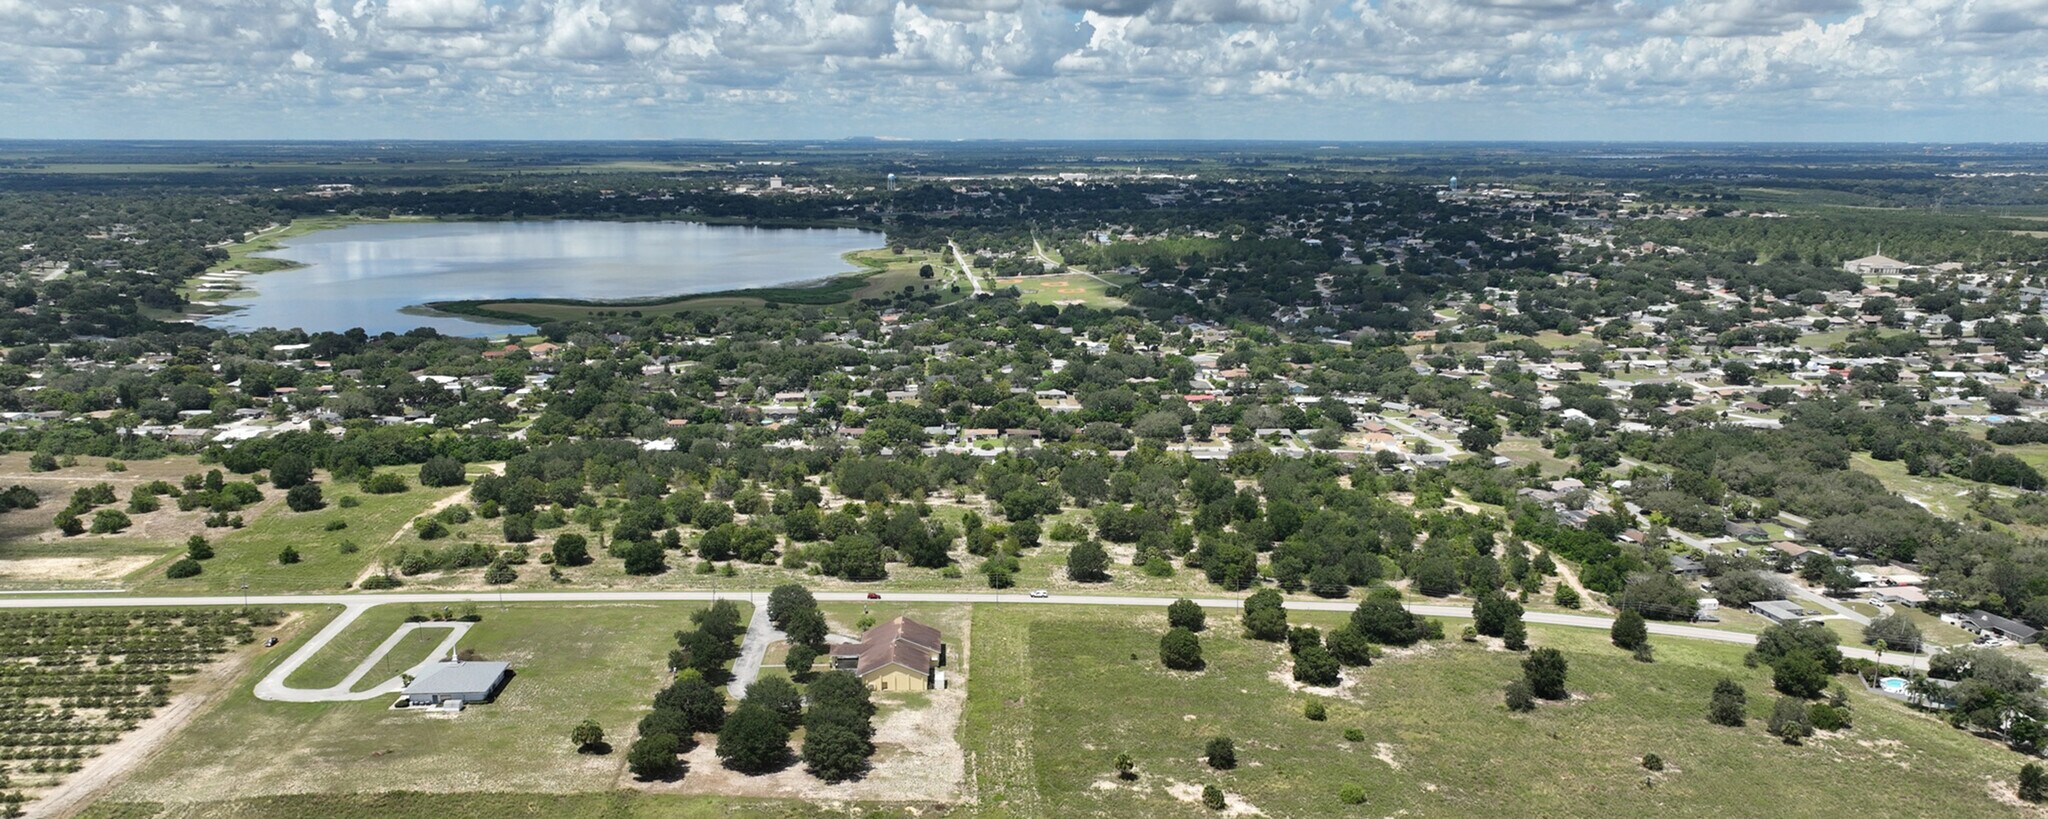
<point>1892,685</point>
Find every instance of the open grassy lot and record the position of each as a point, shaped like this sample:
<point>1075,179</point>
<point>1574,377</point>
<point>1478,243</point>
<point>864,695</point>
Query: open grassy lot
<point>1085,685</point>
<point>1064,289</point>
<point>251,554</point>
<point>412,649</point>
<point>601,661</point>
<point>34,554</point>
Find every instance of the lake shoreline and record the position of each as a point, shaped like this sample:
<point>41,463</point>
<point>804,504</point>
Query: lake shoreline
<point>209,292</point>
<point>819,292</point>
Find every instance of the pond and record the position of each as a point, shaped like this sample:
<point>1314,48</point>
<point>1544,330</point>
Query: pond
<point>369,275</point>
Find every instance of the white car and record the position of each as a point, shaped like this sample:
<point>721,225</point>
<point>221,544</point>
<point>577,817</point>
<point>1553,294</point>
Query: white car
<point>1041,594</point>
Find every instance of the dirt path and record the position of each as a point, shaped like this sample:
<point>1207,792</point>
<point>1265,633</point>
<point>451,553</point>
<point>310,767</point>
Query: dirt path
<point>431,510</point>
<point>1570,577</point>
<point>126,754</point>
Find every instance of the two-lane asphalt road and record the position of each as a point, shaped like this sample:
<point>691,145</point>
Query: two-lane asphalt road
<point>1681,631</point>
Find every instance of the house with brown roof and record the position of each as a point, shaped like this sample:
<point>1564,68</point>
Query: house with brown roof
<point>899,655</point>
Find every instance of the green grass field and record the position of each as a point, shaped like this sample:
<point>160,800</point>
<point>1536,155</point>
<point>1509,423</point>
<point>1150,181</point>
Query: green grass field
<point>412,649</point>
<point>1437,739</point>
<point>1064,289</point>
<point>600,661</point>
<point>348,648</point>
<point>1064,689</point>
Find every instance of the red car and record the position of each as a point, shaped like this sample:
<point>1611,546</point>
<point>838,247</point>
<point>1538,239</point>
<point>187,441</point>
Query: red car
<point>874,596</point>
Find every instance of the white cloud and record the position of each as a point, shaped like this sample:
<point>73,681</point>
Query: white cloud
<point>1324,68</point>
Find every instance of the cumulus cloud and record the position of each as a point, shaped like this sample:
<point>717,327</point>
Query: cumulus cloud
<point>1011,67</point>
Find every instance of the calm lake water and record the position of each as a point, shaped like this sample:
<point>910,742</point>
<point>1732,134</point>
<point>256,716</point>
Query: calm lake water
<point>367,275</point>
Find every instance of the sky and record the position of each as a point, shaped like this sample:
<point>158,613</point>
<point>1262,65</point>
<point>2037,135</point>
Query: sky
<point>1734,70</point>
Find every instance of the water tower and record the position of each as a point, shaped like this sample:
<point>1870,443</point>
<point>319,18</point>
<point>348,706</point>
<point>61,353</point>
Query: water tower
<point>1454,184</point>
<point>892,182</point>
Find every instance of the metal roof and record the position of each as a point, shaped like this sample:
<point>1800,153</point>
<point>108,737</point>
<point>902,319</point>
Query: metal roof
<point>446,679</point>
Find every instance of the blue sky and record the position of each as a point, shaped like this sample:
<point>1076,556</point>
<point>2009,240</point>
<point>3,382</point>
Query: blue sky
<point>1915,70</point>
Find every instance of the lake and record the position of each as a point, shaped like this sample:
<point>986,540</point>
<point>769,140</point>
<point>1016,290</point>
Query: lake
<point>367,275</point>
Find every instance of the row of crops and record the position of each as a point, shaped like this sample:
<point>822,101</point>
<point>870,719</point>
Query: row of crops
<point>72,681</point>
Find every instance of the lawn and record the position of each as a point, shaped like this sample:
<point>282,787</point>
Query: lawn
<point>348,648</point>
<point>1087,685</point>
<point>600,661</point>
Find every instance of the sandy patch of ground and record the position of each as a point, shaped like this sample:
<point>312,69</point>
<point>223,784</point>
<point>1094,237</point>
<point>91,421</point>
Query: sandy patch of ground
<point>2007,794</point>
<point>1233,805</point>
<point>1385,753</point>
<point>99,569</point>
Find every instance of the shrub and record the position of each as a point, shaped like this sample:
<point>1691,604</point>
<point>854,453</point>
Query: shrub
<point>348,547</point>
<point>1087,562</point>
<point>644,558</point>
<point>1729,704</point>
<point>1544,670</point>
<point>1314,711</point>
<point>441,472</point>
<point>1518,696</point>
<point>349,502</point>
<point>2033,783</point>
<point>109,521</point>
<point>1799,674</point>
<point>571,549</point>
<point>1644,653</point>
<point>1313,665</point>
<point>499,573</point>
<point>42,462</point>
<point>1212,796</point>
<point>1264,616</point>
<point>519,529</point>
<point>1789,721</point>
<point>1187,614</point>
<point>1629,630</point>
<point>197,548</point>
<point>305,498</point>
<point>1351,794</point>
<point>287,556</point>
<point>1222,753</point>
<point>753,739</point>
<point>1354,734</point>
<point>185,567</point>
<point>378,582</point>
<point>654,757</point>
<point>587,736</point>
<point>290,470</point>
<point>430,528</point>
<point>385,483</point>
<point>1180,650</point>
<point>1566,596</point>
<point>1653,762</point>
<point>1349,646</point>
<point>1825,717</point>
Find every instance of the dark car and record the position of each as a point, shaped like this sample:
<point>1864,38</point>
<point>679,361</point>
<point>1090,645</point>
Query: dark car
<point>270,642</point>
<point>874,595</point>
